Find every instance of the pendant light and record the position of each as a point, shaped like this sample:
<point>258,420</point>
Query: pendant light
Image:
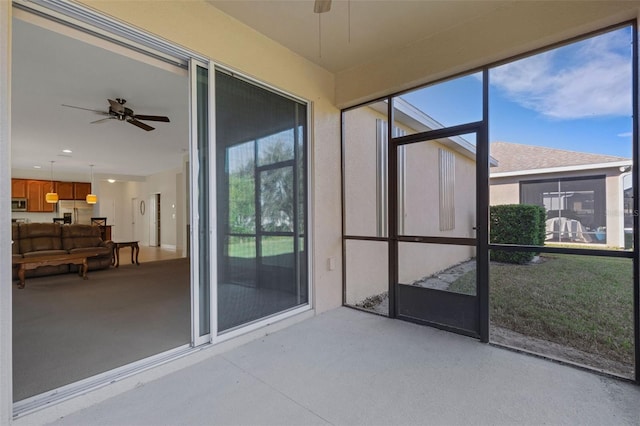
<point>91,197</point>
<point>51,197</point>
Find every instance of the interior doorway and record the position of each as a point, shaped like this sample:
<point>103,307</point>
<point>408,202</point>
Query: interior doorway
<point>57,314</point>
<point>154,220</point>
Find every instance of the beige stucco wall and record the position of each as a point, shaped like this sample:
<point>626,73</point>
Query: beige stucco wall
<point>422,212</point>
<point>367,269</point>
<point>506,190</point>
<point>422,208</point>
<point>366,261</point>
<point>360,171</point>
<point>202,28</point>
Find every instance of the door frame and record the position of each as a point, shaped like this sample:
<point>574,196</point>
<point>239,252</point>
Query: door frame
<point>479,306</point>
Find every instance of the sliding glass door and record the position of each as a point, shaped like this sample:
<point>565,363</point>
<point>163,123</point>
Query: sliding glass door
<point>200,166</point>
<point>261,202</point>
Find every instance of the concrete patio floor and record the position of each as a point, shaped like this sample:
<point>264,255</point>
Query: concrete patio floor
<point>346,367</point>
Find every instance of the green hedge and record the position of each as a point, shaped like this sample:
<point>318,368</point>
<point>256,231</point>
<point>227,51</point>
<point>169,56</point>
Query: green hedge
<point>516,224</point>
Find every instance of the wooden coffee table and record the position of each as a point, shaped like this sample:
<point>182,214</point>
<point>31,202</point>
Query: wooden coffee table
<point>33,262</point>
<point>135,251</point>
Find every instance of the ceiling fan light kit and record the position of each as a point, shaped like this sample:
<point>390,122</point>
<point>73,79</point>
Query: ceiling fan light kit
<point>91,198</point>
<point>51,197</point>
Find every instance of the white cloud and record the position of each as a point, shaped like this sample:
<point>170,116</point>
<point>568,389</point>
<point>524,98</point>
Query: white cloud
<point>625,135</point>
<point>590,79</point>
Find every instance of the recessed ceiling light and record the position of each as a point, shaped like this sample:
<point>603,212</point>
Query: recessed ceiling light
<point>111,180</point>
<point>67,151</point>
<point>37,167</point>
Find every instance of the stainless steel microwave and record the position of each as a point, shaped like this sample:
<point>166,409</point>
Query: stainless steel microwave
<point>18,204</point>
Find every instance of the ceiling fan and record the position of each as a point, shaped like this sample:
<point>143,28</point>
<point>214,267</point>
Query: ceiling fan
<point>117,111</point>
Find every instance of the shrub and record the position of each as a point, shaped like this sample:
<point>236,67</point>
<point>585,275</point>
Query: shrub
<point>516,224</point>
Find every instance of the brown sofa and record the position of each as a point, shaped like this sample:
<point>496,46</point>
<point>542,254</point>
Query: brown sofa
<point>36,239</point>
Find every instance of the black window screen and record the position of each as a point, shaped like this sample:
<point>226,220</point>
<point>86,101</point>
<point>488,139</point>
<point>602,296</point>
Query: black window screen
<point>576,208</point>
<point>261,202</point>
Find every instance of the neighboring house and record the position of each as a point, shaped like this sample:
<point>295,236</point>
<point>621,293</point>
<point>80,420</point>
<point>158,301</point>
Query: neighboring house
<point>587,196</point>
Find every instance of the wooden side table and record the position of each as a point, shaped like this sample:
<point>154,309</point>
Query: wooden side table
<point>135,251</point>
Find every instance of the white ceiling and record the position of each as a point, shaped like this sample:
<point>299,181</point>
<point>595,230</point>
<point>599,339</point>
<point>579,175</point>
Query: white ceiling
<point>50,69</point>
<point>354,32</point>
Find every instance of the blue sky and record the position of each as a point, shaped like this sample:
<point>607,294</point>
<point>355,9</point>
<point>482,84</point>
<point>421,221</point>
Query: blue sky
<point>576,97</point>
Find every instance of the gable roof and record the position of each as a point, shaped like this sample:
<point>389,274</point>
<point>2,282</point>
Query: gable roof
<point>513,157</point>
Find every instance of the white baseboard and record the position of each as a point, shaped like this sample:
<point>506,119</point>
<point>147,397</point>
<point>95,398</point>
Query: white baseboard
<point>168,246</point>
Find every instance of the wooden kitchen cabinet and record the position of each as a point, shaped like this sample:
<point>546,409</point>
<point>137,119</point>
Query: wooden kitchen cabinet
<point>81,190</point>
<point>19,188</point>
<point>36,191</point>
<point>73,190</point>
<point>65,190</point>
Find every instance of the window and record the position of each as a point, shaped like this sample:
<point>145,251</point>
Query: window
<point>446,183</point>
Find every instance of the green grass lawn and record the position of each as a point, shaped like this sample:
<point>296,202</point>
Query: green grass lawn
<point>245,247</point>
<point>585,302</point>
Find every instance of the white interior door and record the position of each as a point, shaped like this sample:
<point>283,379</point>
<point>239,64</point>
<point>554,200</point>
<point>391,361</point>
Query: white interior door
<point>138,212</point>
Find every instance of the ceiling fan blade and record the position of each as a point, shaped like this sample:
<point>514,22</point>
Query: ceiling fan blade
<point>102,120</point>
<point>116,106</point>
<point>322,6</point>
<point>152,118</point>
<point>141,124</point>
<point>86,109</point>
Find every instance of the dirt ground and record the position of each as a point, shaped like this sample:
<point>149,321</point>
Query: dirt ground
<point>507,337</point>
<point>502,336</point>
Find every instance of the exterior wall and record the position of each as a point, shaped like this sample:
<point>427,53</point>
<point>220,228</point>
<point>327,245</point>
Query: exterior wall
<point>422,213</point>
<point>367,262</point>
<point>367,270</point>
<point>201,27</point>
<point>506,190</point>
<point>360,171</point>
<point>422,209</point>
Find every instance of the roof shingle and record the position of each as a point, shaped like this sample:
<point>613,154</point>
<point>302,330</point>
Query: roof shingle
<point>515,157</point>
